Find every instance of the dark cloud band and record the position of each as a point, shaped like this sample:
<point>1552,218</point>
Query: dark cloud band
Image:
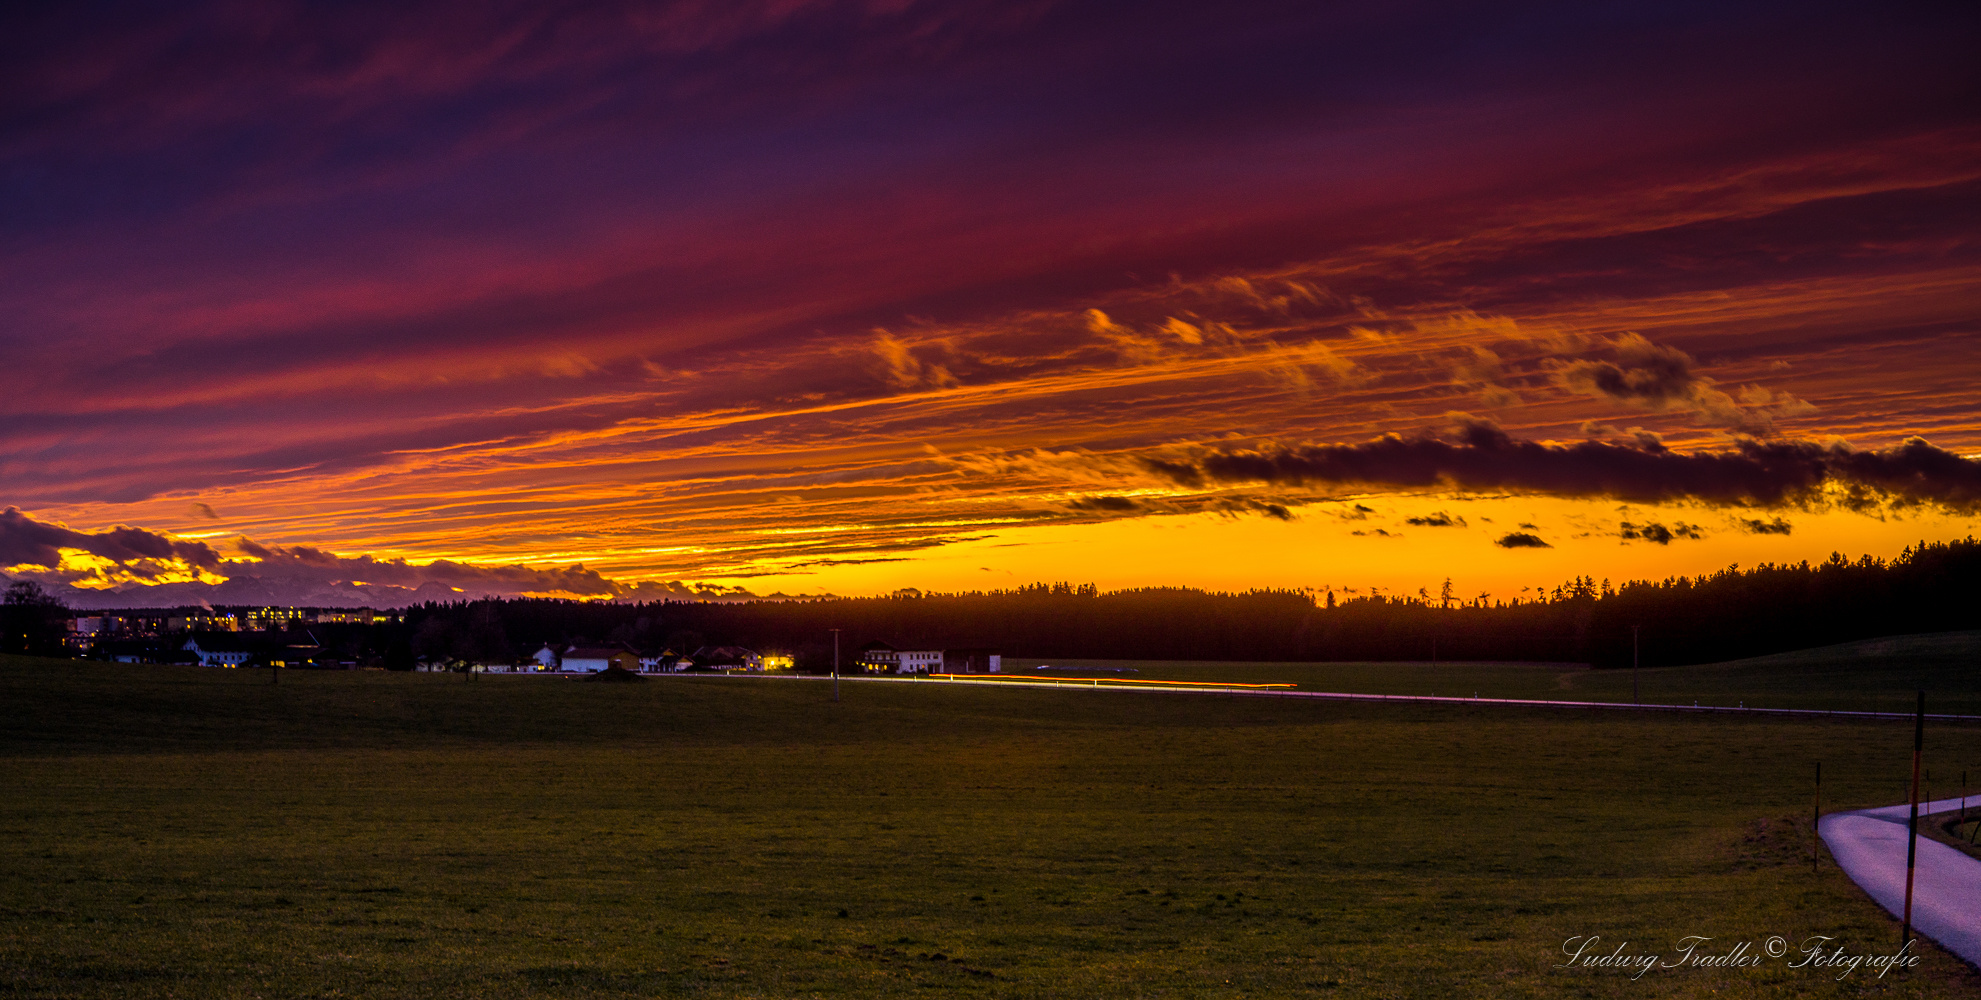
<point>1486,458</point>
<point>25,541</point>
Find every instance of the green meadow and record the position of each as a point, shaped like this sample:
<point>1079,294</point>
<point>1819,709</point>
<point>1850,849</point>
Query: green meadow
<point>178,832</point>
<point>1873,675</point>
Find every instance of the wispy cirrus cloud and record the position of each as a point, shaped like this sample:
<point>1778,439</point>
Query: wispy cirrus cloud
<point>635,286</point>
<point>1658,377</point>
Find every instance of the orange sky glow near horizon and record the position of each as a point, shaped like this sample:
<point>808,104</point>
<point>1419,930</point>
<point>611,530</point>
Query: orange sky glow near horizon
<point>614,311</point>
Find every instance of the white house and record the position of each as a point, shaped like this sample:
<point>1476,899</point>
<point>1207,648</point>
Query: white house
<point>879,657</point>
<point>546,658</point>
<point>882,658</point>
<point>918,661</point>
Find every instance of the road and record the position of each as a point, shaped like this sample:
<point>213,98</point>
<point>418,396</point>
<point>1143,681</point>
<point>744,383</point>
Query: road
<point>1869,845</point>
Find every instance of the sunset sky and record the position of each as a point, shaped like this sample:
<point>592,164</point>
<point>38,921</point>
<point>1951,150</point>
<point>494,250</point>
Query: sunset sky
<point>638,300</point>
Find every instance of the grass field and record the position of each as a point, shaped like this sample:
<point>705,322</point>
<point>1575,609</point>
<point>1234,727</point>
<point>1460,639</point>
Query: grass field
<point>200,833</point>
<point>1873,675</point>
<point>1954,832</point>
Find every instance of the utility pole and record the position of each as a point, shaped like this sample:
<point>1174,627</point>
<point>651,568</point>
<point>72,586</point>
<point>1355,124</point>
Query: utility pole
<point>1634,699</point>
<point>1912,829</point>
<point>835,665</point>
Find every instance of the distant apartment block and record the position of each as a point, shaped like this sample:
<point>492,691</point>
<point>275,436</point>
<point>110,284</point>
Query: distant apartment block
<point>85,629</point>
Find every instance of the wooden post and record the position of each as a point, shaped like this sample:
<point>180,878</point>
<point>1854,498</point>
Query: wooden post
<point>1912,829</point>
<point>1971,833</point>
<point>1963,808</point>
<point>1634,699</point>
<point>1816,824</point>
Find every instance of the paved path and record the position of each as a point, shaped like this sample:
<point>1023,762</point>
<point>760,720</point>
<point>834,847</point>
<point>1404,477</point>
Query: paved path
<point>1869,845</point>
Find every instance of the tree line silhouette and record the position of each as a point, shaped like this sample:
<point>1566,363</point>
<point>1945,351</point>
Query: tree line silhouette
<point>1932,586</point>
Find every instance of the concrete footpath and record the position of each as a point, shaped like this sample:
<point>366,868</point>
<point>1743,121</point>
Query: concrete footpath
<point>1869,845</point>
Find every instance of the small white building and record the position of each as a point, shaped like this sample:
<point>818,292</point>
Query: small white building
<point>546,658</point>
<point>592,659</point>
<point>216,657</point>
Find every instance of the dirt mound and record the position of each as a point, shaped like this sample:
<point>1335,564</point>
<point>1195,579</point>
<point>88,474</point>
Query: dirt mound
<point>615,675</point>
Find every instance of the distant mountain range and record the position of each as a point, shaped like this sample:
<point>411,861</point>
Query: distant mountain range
<point>303,592</point>
<point>258,591</point>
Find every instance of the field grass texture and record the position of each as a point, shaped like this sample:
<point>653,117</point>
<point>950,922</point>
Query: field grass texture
<point>178,832</point>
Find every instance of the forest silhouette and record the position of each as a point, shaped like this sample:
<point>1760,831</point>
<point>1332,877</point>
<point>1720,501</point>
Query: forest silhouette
<point>1726,615</point>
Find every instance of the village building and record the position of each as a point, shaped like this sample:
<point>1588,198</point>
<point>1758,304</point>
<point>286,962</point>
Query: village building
<point>273,619</point>
<point>918,661</point>
<point>728,658</point>
<point>351,616</point>
<point>209,622</point>
<point>215,651</point>
<point>876,657</point>
<point>592,659</point>
<point>666,659</point>
<point>880,658</point>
